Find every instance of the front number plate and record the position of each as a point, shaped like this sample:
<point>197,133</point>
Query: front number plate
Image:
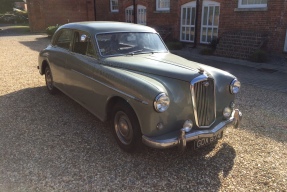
<point>207,140</point>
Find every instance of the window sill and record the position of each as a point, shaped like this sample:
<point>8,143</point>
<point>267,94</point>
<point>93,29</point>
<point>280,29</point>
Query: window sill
<point>251,9</point>
<point>164,11</point>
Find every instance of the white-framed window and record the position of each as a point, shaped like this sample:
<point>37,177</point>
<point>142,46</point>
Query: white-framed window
<point>285,46</point>
<point>162,5</point>
<point>187,22</point>
<point>141,17</point>
<point>252,3</point>
<point>114,4</point>
<point>129,12</point>
<point>141,14</point>
<point>209,21</point>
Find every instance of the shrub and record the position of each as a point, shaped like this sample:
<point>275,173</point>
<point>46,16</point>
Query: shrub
<point>174,45</point>
<point>51,30</point>
<point>213,43</point>
<point>259,56</point>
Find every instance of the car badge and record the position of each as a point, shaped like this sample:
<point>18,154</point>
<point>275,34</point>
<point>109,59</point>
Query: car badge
<point>201,71</point>
<point>206,83</point>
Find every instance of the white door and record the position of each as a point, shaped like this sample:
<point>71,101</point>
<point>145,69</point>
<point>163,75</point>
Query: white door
<point>209,21</point>
<point>187,22</point>
<point>141,14</point>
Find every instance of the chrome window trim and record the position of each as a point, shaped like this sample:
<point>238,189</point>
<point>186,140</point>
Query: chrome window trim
<point>200,78</point>
<point>117,90</point>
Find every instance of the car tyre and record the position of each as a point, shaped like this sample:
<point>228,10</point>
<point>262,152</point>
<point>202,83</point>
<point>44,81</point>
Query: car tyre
<point>49,81</point>
<point>126,128</point>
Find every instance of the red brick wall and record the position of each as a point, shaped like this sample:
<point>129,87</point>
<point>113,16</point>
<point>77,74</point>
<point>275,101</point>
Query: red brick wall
<point>44,13</point>
<point>273,22</point>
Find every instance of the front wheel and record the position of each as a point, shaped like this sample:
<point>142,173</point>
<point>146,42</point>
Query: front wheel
<point>126,128</point>
<point>49,81</point>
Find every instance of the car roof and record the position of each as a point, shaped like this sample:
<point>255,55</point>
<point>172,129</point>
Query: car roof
<point>95,27</point>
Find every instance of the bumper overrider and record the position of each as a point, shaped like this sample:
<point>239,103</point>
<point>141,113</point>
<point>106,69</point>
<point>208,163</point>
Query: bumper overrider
<point>184,137</point>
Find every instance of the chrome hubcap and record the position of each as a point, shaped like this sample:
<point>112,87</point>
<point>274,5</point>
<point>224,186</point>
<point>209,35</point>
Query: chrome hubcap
<point>49,80</point>
<point>123,127</point>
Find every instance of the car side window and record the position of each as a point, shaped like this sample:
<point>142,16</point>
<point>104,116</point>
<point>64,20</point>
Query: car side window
<point>64,39</point>
<point>83,44</point>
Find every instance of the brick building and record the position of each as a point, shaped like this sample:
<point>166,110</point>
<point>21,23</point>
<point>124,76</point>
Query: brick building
<point>242,25</point>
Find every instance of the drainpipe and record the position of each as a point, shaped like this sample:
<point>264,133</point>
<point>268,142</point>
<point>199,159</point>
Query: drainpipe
<point>196,23</point>
<point>95,10</point>
<point>135,12</point>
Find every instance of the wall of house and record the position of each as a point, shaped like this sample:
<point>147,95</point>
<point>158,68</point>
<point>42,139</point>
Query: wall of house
<point>43,13</point>
<point>273,21</point>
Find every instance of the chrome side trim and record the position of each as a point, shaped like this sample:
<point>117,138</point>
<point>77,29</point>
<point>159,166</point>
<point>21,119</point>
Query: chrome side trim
<point>198,79</point>
<point>117,90</point>
<point>180,139</point>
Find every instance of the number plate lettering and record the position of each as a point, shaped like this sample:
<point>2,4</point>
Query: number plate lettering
<point>207,140</point>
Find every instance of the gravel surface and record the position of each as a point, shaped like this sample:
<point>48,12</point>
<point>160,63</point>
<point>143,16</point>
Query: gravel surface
<point>50,143</point>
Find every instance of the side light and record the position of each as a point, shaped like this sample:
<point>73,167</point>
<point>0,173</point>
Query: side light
<point>227,112</point>
<point>235,86</point>
<point>161,102</point>
<point>187,126</point>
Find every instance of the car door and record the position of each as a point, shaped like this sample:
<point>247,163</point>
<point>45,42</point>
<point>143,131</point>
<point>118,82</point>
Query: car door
<point>58,56</point>
<point>81,61</point>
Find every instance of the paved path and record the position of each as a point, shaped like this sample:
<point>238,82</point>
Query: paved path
<point>247,72</point>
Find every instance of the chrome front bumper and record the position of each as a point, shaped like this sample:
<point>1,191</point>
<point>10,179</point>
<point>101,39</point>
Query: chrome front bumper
<point>183,137</point>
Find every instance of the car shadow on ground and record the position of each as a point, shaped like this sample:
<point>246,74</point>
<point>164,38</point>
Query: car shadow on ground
<point>51,142</point>
<point>38,44</point>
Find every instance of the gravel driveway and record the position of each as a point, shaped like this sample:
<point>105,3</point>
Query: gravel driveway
<point>50,143</point>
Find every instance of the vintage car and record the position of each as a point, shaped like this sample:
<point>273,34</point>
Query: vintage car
<point>123,73</point>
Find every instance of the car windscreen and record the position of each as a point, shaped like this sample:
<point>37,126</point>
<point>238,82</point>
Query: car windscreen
<point>125,43</point>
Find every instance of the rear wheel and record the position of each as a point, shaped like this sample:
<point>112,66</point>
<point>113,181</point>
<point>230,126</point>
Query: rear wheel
<point>49,81</point>
<point>126,128</point>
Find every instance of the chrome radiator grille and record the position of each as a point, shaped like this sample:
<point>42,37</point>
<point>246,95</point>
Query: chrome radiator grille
<point>203,99</point>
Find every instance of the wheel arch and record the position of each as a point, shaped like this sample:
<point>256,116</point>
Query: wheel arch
<point>112,102</point>
<point>44,65</point>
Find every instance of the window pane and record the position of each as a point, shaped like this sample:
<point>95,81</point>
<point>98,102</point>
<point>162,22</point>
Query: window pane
<point>192,33</point>
<point>188,16</point>
<point>183,16</point>
<point>204,34</point>
<point>244,2</point>
<point>209,35</point>
<point>215,33</point>
<point>183,33</point>
<point>205,15</point>
<point>210,16</point>
<point>115,5</point>
<point>216,16</point>
<point>187,33</point>
<point>163,4</point>
<point>64,39</point>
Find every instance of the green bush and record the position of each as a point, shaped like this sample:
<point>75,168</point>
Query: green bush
<point>174,45</point>
<point>259,56</point>
<point>213,43</point>
<point>51,30</point>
